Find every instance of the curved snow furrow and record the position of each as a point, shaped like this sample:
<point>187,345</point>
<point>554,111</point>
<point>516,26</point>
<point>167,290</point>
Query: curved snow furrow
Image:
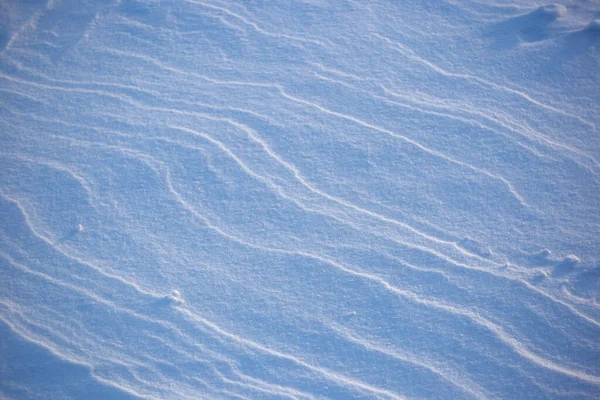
<point>455,276</point>
<point>258,29</point>
<point>330,375</point>
<point>405,51</point>
<point>519,128</point>
<point>451,261</point>
<point>155,93</point>
<point>416,144</point>
<point>45,333</point>
<point>556,300</point>
<point>130,101</point>
<point>495,329</point>
<point>177,392</point>
<point>270,184</point>
<point>30,337</point>
<point>581,315</point>
<point>402,356</point>
<point>87,341</point>
<point>322,109</point>
<point>138,24</point>
<point>18,93</point>
<point>432,109</point>
<point>86,294</point>
<point>545,311</point>
<point>49,242</point>
<point>173,70</point>
<point>463,383</point>
<point>300,178</point>
<point>29,24</point>
<point>119,97</point>
<point>327,374</point>
<point>502,276</point>
<point>243,381</point>
<point>42,86</point>
<point>288,201</point>
<point>281,89</point>
<point>274,187</point>
<point>77,177</point>
<point>342,202</point>
<point>284,392</point>
<point>230,237</point>
<point>580,300</point>
<point>517,280</point>
<point>256,383</point>
<point>301,205</point>
<point>477,119</point>
<point>15,52</point>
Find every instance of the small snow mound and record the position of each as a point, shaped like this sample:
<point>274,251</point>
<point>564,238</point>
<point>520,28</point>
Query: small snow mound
<point>571,260</point>
<point>173,298</point>
<point>593,27</point>
<point>531,27</point>
<point>552,11</point>
<point>566,266</point>
<point>587,283</point>
<point>176,297</point>
<point>539,278</point>
<point>544,253</point>
<point>542,257</point>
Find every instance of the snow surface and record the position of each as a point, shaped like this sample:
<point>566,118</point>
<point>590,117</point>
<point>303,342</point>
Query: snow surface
<point>299,199</point>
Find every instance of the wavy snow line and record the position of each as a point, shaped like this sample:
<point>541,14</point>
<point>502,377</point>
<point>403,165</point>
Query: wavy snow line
<point>448,375</point>
<point>57,166</point>
<point>295,171</point>
<point>298,175</point>
<point>328,374</point>
<point>149,160</point>
<point>29,338</point>
<point>281,90</point>
<point>467,121</point>
<point>48,241</point>
<point>30,23</point>
<point>262,385</point>
<point>423,148</point>
<point>331,375</point>
<point>410,54</point>
<point>254,25</point>
<point>155,93</point>
<point>13,92</point>
<point>280,193</point>
<point>522,129</point>
<point>497,330</point>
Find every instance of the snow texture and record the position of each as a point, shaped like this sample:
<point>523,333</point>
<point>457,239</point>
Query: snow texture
<point>308,199</point>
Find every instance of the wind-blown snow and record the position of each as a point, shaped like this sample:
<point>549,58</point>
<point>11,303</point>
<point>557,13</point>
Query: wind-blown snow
<point>299,199</point>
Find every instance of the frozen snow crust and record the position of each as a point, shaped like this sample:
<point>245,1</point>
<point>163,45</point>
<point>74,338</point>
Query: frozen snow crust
<point>305,200</point>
